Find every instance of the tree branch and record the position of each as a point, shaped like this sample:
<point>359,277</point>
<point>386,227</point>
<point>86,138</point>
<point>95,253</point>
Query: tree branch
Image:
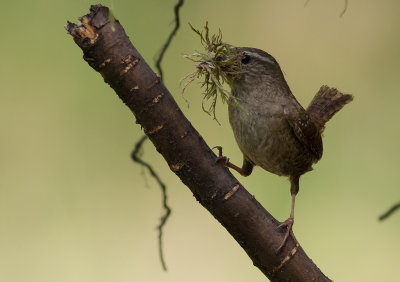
<point>188,156</point>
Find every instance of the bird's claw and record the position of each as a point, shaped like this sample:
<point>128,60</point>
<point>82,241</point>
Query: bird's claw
<point>219,148</point>
<point>288,224</point>
<point>221,158</point>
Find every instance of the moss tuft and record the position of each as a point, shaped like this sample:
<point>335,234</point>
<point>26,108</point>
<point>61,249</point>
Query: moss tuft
<point>220,63</point>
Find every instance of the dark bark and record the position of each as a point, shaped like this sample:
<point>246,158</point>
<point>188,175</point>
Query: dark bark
<point>188,156</point>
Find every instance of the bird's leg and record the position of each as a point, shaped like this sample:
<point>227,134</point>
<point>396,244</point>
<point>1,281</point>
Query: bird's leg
<point>246,168</point>
<point>288,223</point>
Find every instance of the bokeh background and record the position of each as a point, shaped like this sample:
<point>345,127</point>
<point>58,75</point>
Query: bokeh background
<point>73,206</point>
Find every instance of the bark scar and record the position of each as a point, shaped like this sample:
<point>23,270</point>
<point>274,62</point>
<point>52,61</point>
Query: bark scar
<point>156,99</point>
<point>106,62</point>
<point>155,129</point>
<point>184,134</point>
<point>154,83</point>
<point>130,62</point>
<point>177,166</point>
<point>230,193</point>
<point>134,89</point>
<point>286,259</point>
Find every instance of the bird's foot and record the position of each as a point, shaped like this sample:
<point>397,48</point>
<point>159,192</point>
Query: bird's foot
<point>221,159</point>
<point>288,224</point>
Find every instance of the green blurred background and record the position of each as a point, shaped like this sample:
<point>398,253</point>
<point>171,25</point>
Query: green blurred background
<point>73,206</point>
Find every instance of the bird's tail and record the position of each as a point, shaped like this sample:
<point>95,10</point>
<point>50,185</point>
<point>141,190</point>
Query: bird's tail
<point>327,102</point>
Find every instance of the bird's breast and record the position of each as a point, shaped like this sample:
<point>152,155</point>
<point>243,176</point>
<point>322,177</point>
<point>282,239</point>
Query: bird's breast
<point>266,139</point>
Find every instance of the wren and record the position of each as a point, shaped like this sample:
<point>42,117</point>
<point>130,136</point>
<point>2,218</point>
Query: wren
<point>272,129</point>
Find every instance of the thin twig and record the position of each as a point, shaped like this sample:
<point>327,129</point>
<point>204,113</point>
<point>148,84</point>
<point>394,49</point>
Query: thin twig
<point>136,158</point>
<point>139,144</point>
<point>169,39</point>
<point>345,8</point>
<point>389,211</point>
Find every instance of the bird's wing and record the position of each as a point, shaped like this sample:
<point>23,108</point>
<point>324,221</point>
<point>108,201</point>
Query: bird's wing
<point>304,129</point>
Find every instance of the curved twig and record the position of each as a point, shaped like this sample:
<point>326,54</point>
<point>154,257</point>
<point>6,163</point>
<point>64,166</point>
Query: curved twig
<point>345,8</point>
<point>390,211</point>
<point>169,39</point>
<point>139,143</point>
<point>136,158</point>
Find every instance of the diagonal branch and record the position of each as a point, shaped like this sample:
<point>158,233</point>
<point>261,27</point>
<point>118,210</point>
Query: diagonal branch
<point>188,156</point>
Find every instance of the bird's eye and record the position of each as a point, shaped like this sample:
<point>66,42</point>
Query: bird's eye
<point>245,59</point>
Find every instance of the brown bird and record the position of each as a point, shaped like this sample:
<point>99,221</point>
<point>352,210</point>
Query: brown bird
<point>272,129</point>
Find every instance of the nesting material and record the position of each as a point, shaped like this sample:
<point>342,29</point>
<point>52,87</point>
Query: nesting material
<point>218,64</point>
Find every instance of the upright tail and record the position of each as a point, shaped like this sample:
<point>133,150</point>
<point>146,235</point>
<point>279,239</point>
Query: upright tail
<point>327,102</point>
